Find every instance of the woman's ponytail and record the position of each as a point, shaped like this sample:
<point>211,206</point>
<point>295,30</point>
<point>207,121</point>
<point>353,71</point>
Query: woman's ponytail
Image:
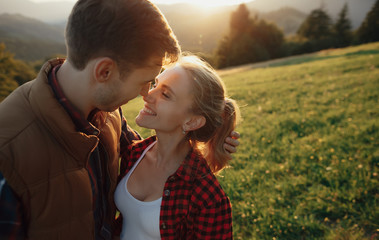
<point>214,151</point>
<point>221,113</point>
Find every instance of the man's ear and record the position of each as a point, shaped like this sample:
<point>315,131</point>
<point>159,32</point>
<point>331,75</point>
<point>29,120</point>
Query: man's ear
<point>104,68</point>
<point>194,123</point>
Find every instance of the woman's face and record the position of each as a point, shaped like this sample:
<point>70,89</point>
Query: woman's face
<point>168,103</point>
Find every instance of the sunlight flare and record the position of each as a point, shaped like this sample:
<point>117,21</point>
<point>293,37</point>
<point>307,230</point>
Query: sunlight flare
<point>203,3</point>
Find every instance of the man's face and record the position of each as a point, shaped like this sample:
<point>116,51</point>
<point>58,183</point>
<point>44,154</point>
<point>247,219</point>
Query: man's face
<point>122,89</point>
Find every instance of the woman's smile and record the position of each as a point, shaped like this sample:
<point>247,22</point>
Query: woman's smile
<point>147,111</point>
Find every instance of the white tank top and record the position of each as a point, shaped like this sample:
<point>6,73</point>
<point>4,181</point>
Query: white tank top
<point>140,219</point>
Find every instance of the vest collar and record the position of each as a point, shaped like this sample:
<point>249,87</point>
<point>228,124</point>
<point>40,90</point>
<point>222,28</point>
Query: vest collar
<point>55,118</point>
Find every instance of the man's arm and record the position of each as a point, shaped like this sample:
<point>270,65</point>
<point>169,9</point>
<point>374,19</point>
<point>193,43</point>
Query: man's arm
<point>11,215</point>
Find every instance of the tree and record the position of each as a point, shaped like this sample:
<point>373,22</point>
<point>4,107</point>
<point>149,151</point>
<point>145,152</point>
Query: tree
<point>239,21</point>
<point>369,29</point>
<point>316,26</point>
<point>12,72</point>
<point>222,53</point>
<point>249,40</point>
<point>342,28</point>
<point>315,33</point>
<point>247,50</point>
<point>269,36</point>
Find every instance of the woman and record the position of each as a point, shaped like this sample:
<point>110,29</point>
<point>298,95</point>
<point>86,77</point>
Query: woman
<point>169,190</point>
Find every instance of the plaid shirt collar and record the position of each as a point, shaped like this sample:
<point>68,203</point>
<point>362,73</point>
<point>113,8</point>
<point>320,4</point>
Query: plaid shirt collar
<point>192,167</point>
<point>81,124</point>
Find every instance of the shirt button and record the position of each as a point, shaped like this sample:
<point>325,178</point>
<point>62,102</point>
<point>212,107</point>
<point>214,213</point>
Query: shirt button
<point>163,226</point>
<point>167,193</point>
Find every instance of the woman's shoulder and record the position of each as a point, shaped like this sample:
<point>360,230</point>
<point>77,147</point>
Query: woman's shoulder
<point>206,186</point>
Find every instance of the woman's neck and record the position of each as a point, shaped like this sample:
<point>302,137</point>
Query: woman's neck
<point>171,149</point>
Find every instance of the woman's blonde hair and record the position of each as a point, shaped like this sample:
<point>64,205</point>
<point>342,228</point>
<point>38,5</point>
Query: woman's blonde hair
<point>221,113</point>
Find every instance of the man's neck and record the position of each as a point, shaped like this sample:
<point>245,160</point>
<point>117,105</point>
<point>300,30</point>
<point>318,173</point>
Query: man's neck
<point>74,85</point>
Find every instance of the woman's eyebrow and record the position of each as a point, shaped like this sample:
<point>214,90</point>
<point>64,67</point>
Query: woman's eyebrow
<point>168,88</point>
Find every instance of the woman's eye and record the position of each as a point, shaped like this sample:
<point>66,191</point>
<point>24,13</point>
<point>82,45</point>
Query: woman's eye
<point>165,95</point>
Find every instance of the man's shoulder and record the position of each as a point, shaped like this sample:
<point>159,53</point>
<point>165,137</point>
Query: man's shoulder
<point>16,113</point>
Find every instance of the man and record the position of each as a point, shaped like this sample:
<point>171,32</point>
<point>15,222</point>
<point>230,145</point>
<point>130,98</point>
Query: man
<point>60,134</point>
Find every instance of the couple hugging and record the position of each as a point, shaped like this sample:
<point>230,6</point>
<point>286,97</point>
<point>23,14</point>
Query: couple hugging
<point>68,159</point>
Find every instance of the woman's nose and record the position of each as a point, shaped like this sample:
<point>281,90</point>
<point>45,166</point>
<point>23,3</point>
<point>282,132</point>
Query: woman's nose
<point>148,97</point>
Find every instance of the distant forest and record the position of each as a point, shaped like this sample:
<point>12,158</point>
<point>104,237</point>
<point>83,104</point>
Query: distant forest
<point>252,39</point>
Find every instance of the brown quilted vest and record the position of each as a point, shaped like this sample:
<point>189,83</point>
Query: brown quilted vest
<point>44,159</point>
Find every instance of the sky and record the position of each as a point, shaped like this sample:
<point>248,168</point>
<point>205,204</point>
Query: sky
<point>199,2</point>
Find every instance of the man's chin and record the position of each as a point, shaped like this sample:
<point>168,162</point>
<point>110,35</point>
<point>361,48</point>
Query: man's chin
<point>112,108</point>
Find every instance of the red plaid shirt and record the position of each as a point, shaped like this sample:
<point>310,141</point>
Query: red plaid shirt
<point>194,206</point>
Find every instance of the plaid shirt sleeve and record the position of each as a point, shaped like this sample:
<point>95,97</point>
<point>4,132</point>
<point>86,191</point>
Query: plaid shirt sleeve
<point>11,224</point>
<point>214,221</point>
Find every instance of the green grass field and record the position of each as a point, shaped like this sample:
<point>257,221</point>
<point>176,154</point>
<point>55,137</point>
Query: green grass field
<point>307,166</point>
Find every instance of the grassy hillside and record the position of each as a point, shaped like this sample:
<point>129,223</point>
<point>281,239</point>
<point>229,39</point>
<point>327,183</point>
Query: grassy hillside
<point>307,167</point>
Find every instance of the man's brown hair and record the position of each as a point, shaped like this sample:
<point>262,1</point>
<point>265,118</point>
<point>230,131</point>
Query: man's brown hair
<point>128,31</point>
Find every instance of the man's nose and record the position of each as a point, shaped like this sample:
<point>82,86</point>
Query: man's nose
<point>149,96</point>
<point>145,90</point>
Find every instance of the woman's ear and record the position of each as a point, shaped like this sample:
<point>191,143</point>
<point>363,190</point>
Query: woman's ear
<point>104,68</point>
<point>194,123</point>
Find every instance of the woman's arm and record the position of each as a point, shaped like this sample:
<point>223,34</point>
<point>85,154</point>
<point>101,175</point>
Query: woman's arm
<point>214,221</point>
